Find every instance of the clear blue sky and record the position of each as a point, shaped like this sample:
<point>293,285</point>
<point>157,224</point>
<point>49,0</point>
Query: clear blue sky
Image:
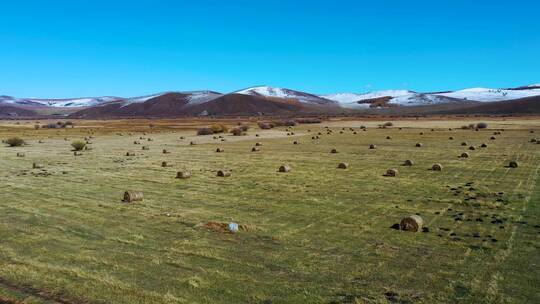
<point>128,48</point>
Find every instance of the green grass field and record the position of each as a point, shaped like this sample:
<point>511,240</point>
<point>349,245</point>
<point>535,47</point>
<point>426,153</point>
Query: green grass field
<point>317,234</point>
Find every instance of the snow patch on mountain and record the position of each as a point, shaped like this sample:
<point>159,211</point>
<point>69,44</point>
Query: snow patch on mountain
<point>267,91</point>
<point>489,95</point>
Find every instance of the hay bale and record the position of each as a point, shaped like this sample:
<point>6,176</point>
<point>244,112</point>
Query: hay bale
<point>132,196</point>
<point>295,143</point>
<point>513,164</point>
<point>192,143</point>
<point>182,137</point>
<point>149,139</point>
<point>451,138</point>
<point>166,151</point>
<point>20,154</point>
<point>146,148</point>
<point>255,149</point>
<point>464,155</point>
<point>284,168</point>
<point>483,145</point>
<point>258,144</point>
<point>421,133</point>
<point>37,166</point>
<point>533,140</point>
<point>130,154</point>
<point>391,173</point>
<point>388,137</point>
<point>343,166</point>
<point>408,163</point>
<point>77,153</point>
<point>219,150</point>
<point>472,148</point>
<point>136,143</point>
<point>411,223</point>
<point>437,167</point>
<point>492,138</point>
<point>223,173</point>
<point>333,151</point>
<point>183,174</point>
<point>464,143</point>
<point>418,145</point>
<point>372,146</point>
<point>164,164</point>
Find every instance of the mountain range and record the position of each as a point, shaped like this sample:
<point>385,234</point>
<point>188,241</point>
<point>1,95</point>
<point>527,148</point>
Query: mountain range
<point>266,100</point>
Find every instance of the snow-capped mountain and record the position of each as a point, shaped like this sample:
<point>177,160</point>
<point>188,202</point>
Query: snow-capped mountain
<point>193,97</point>
<point>395,97</point>
<point>303,97</point>
<point>68,102</point>
<point>490,95</point>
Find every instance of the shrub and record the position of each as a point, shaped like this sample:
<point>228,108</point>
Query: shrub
<point>219,128</point>
<point>265,125</point>
<point>237,132</point>
<point>205,131</point>
<point>388,124</point>
<point>78,145</point>
<point>14,141</point>
<point>37,127</point>
<point>244,128</point>
<point>481,125</point>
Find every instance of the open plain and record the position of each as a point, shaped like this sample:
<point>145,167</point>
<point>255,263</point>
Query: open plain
<point>315,234</point>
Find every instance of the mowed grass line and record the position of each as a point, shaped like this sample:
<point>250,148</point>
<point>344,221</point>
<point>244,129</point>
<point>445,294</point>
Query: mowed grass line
<point>321,234</point>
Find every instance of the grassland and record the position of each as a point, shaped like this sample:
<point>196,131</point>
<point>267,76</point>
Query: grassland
<point>317,234</point>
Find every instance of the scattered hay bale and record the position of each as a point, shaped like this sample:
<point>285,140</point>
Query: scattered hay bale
<point>130,154</point>
<point>219,150</point>
<point>146,148</point>
<point>164,164</point>
<point>408,163</point>
<point>223,173</point>
<point>411,223</point>
<point>372,146</point>
<point>284,168</point>
<point>255,149</point>
<point>451,138</point>
<point>149,139</point>
<point>78,145</point>
<point>533,140</point>
<point>258,144</point>
<point>20,154</point>
<point>391,173</point>
<point>464,143</point>
<point>483,145</point>
<point>421,133</point>
<point>343,166</point>
<point>492,138</point>
<point>295,143</point>
<point>41,141</point>
<point>472,148</point>
<point>77,153</point>
<point>437,167</point>
<point>183,174</point>
<point>333,151</point>
<point>136,142</point>
<point>166,151</point>
<point>182,137</point>
<point>355,132</point>
<point>37,166</point>
<point>388,137</point>
<point>418,145</point>
<point>132,196</point>
<point>192,143</point>
<point>513,164</point>
<point>464,155</point>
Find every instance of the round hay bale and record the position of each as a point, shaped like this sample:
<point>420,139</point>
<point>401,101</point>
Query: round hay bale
<point>132,196</point>
<point>130,154</point>
<point>223,173</point>
<point>223,139</point>
<point>355,132</point>
<point>258,144</point>
<point>146,148</point>
<point>388,137</point>
<point>391,172</point>
<point>411,223</point>
<point>182,137</point>
<point>472,148</point>
<point>183,174</point>
<point>421,133</point>
<point>533,140</point>
<point>192,143</point>
<point>256,135</point>
<point>372,146</point>
<point>219,150</point>
<point>483,145</point>
<point>284,168</point>
<point>418,145</point>
<point>164,164</point>
<point>464,143</point>
<point>77,153</point>
<point>492,138</point>
<point>408,163</point>
<point>150,139</point>
<point>295,143</point>
<point>166,151</point>
<point>437,167</point>
<point>343,166</point>
<point>37,166</point>
<point>20,154</point>
<point>451,138</point>
<point>255,149</point>
<point>464,155</point>
<point>333,151</point>
<point>40,141</point>
<point>513,164</point>
<point>136,143</point>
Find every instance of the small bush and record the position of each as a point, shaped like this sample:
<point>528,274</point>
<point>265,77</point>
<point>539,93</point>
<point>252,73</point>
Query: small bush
<point>481,125</point>
<point>219,128</point>
<point>237,132</point>
<point>265,125</point>
<point>78,145</point>
<point>244,128</point>
<point>388,124</point>
<point>205,131</point>
<point>14,141</point>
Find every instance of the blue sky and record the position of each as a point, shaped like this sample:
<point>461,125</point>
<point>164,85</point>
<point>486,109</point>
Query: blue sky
<point>128,48</point>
